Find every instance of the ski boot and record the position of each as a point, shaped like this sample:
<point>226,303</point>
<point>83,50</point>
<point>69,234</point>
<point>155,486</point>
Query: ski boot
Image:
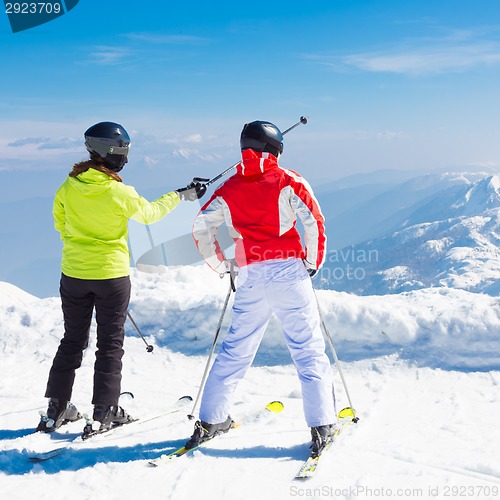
<point>204,431</point>
<point>322,436</point>
<point>110,416</point>
<point>58,413</point>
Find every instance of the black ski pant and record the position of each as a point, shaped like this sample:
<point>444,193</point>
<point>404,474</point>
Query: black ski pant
<point>79,297</point>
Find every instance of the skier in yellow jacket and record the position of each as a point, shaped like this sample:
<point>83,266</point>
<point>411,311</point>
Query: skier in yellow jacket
<point>91,212</point>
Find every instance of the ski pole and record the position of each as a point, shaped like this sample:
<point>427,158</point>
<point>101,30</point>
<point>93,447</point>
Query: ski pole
<point>149,347</point>
<point>337,362</point>
<point>205,373</point>
<point>302,120</point>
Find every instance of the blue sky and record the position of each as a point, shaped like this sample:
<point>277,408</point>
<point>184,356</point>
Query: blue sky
<point>398,84</point>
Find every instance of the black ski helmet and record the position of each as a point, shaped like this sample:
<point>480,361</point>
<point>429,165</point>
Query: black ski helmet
<point>262,136</point>
<point>110,141</point>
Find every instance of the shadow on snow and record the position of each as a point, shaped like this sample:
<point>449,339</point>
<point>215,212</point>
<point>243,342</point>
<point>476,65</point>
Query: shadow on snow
<point>16,462</point>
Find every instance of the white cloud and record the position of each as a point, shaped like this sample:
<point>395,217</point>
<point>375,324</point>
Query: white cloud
<point>46,143</point>
<point>107,55</point>
<point>432,60</point>
<point>139,47</point>
<point>168,39</point>
<point>193,138</point>
<point>150,162</point>
<point>389,135</point>
<point>25,141</point>
<point>195,155</point>
<point>459,51</point>
<point>181,140</point>
<point>211,157</point>
<point>182,153</point>
<point>62,143</point>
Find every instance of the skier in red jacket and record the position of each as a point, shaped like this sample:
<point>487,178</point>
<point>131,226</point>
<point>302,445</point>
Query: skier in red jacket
<point>260,205</point>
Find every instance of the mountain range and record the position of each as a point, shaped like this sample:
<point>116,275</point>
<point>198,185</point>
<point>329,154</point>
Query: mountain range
<point>388,232</point>
<point>430,231</point>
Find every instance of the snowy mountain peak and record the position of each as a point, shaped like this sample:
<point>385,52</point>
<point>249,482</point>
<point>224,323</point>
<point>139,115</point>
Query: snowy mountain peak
<point>495,183</point>
<point>482,195</point>
<point>447,237</point>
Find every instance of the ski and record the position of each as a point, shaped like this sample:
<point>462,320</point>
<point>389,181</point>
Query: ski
<point>90,433</point>
<point>272,407</point>
<point>309,467</point>
<point>47,455</point>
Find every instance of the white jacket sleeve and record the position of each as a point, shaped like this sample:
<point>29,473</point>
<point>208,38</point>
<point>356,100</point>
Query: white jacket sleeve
<point>205,228</point>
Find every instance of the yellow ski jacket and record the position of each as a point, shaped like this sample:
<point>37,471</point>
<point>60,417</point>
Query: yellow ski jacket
<point>91,213</point>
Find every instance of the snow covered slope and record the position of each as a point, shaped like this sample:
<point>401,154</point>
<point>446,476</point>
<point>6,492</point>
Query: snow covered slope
<point>12,295</point>
<point>424,431</point>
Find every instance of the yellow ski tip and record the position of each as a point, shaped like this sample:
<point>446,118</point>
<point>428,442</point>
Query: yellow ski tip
<point>347,412</point>
<point>275,406</point>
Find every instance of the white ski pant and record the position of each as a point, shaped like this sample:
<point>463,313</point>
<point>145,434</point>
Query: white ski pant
<point>282,287</point>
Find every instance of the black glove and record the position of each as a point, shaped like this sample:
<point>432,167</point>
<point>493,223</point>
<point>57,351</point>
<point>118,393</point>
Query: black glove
<point>193,191</point>
<point>309,270</point>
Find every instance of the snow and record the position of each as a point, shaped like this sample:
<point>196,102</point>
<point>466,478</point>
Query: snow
<point>422,368</point>
<point>13,295</point>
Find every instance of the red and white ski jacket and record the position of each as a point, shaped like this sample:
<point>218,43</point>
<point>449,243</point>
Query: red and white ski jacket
<point>259,205</point>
